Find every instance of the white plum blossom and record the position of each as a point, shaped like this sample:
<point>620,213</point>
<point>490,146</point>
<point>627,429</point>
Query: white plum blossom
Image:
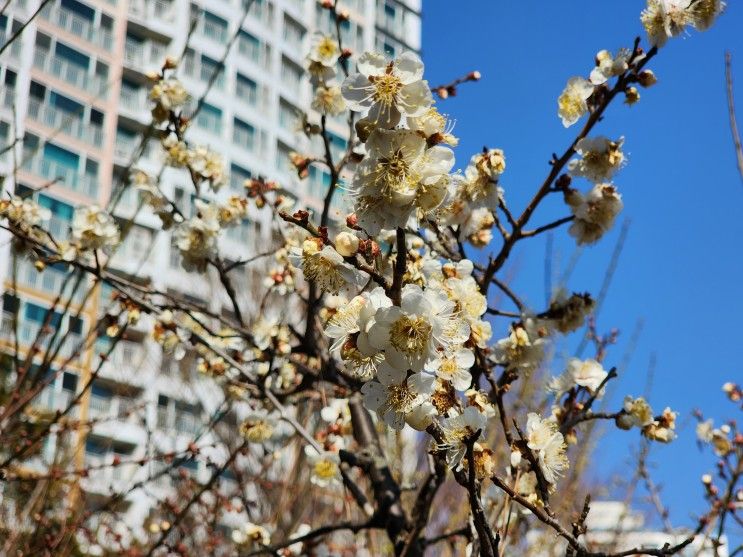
<point>325,466</point>
<point>594,212</point>
<point>434,126</point>
<point>324,49</point>
<point>328,100</point>
<point>350,326</point>
<point>93,228</point>
<point>393,396</point>
<point>523,348</point>
<point>24,213</point>
<point>252,535</point>
<point>399,174</point>
<point>600,158</point>
<point>664,19</point>
<point>548,445</point>
<point>322,58</point>
<point>413,333</point>
<point>582,373</point>
<point>573,102</point>
<point>454,368</point>
<point>388,90</point>
<point>207,165</point>
<point>168,94</point>
<point>637,413</point>
<point>196,238</point>
<point>459,429</point>
<point>325,267</point>
<point>608,66</point>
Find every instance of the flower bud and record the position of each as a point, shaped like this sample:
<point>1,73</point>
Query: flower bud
<point>171,63</point>
<point>631,96</point>
<point>474,76</point>
<point>346,244</point>
<point>647,78</point>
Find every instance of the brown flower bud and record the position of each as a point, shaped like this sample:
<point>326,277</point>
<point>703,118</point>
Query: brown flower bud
<point>647,78</point>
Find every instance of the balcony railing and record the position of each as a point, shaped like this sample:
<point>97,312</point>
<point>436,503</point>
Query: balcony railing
<point>79,26</point>
<point>73,74</point>
<point>147,9</point>
<point>144,56</point>
<point>58,227</point>
<point>14,51</point>
<point>71,178</point>
<point>6,325</point>
<point>8,96</point>
<point>66,122</point>
<point>133,99</point>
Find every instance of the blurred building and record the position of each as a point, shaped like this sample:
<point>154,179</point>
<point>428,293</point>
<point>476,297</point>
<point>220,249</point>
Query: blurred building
<point>73,115</point>
<point>614,526</point>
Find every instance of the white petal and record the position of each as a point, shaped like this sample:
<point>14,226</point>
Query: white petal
<point>371,63</point>
<point>375,395</point>
<point>358,92</point>
<point>409,67</point>
<point>396,420</point>
<point>421,383</point>
<point>385,116</point>
<point>414,99</point>
<point>390,375</point>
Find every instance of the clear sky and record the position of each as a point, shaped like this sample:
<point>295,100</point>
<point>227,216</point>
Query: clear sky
<point>681,269</point>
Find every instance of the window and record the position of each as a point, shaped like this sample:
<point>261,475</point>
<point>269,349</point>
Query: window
<point>61,157</point>
<point>282,157</point>
<point>293,33</point>
<point>11,303</point>
<point>214,27</point>
<point>210,118</point>
<point>77,325</point>
<point>100,398</point>
<point>212,70</point>
<point>254,49</point>
<point>288,114</point>
<point>260,10</point>
<point>243,134</point>
<point>319,181</point>
<point>238,176</point>
<point>291,74</point>
<point>246,90</point>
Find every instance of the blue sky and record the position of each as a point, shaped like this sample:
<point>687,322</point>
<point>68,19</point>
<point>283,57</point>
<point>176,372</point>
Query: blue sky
<point>681,268</point>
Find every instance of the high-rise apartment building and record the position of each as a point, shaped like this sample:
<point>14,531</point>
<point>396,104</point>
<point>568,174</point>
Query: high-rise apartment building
<point>74,110</point>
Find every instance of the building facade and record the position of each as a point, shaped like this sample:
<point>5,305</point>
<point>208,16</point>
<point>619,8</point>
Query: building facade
<point>74,113</point>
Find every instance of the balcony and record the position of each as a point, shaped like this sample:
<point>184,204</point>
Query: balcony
<point>58,227</point>
<point>52,281</point>
<point>70,178</point>
<point>8,97</point>
<point>144,57</point>
<point>73,74</point>
<point>14,52</point>
<point>6,326</point>
<point>79,26</point>
<point>134,99</point>
<point>67,122</point>
<point>146,10</point>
